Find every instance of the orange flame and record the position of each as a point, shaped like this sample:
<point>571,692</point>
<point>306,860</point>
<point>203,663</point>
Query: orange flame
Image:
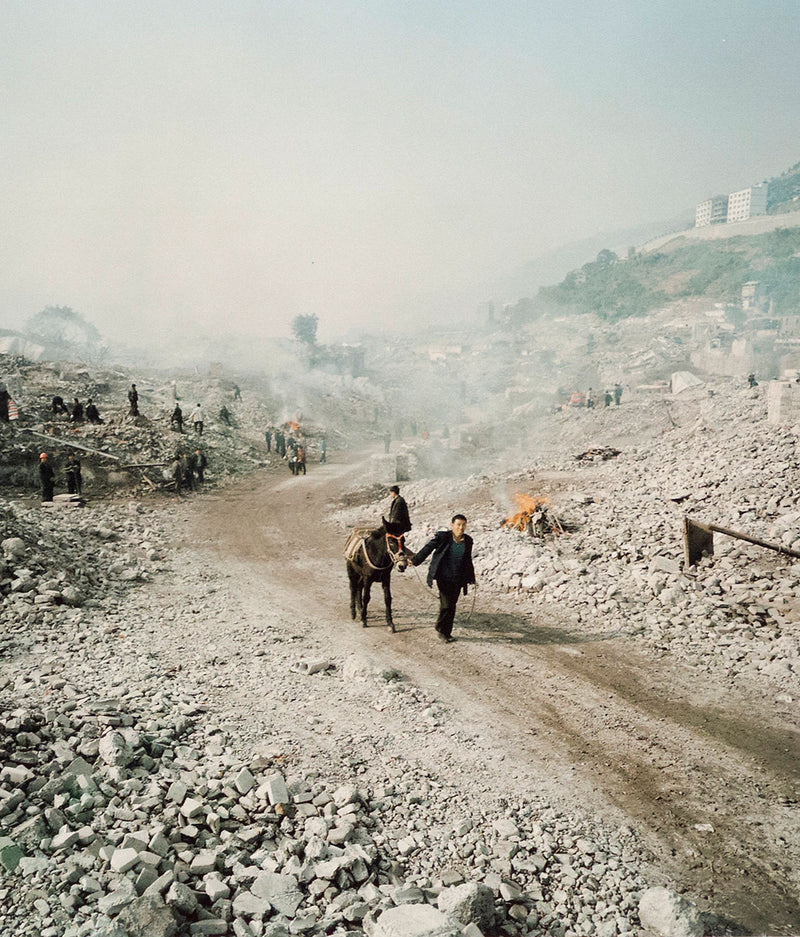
<point>528,505</point>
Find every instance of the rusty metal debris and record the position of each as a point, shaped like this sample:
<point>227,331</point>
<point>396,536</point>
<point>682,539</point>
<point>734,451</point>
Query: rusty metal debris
<point>698,540</point>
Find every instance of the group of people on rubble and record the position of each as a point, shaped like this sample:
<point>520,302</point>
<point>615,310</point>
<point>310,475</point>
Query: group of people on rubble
<point>77,413</point>
<point>451,566</point>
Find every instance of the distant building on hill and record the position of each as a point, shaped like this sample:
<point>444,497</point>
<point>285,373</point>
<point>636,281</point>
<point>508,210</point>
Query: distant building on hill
<point>747,203</point>
<point>713,210</point>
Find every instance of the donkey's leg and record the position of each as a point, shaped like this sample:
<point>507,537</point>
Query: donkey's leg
<point>386,582</point>
<point>365,600</point>
<point>355,591</point>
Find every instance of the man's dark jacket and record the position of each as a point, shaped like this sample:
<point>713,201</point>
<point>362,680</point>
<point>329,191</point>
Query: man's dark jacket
<point>439,544</point>
<point>398,514</point>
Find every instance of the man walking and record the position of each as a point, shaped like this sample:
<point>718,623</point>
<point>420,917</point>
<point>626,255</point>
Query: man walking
<point>133,400</point>
<point>398,510</point>
<point>197,419</point>
<point>451,567</point>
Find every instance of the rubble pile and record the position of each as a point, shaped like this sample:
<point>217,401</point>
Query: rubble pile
<point>68,559</point>
<point>128,815</point>
<point>622,567</point>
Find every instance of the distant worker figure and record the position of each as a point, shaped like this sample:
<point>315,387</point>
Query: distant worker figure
<point>47,478</point>
<point>268,438</point>
<point>225,415</point>
<point>58,405</point>
<point>451,568</point>
<point>92,413</point>
<point>617,394</point>
<point>323,451</point>
<point>301,460</point>
<point>387,441</point>
<point>202,462</point>
<point>74,482</point>
<point>5,399</point>
<point>197,419</point>
<point>590,400</point>
<point>398,510</point>
<point>608,398</point>
<point>77,411</point>
<point>751,380</point>
<point>189,465</point>
<point>237,394</point>
<point>133,399</point>
<point>177,418</point>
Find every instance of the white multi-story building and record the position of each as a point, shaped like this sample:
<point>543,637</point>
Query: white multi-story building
<point>712,211</point>
<point>747,203</point>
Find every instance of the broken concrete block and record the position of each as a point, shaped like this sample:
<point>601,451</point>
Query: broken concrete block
<point>669,915</point>
<point>415,920</point>
<point>10,853</point>
<point>148,916</point>
<point>470,903</point>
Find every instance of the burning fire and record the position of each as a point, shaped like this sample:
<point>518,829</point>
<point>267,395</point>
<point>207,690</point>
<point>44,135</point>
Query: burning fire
<point>528,505</point>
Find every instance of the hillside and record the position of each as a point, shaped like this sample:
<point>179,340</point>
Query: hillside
<point>714,270</point>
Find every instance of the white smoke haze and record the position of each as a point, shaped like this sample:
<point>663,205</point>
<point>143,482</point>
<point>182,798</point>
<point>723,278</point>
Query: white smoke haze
<point>184,170</point>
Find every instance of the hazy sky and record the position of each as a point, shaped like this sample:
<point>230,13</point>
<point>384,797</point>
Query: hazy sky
<point>232,164</point>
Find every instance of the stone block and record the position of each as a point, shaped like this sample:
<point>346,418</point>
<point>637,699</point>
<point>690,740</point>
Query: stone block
<point>669,915</point>
<point>280,891</point>
<point>470,903</point>
<point>123,859</point>
<point>275,789</point>
<point>244,781</point>
<point>10,853</point>
<point>248,905</point>
<point>415,920</point>
<point>148,916</point>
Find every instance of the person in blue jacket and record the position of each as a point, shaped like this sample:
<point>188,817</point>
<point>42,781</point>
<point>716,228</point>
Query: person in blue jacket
<point>451,568</point>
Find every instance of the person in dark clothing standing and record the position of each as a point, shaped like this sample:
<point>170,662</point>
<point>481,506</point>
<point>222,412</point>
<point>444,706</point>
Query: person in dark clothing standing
<point>77,411</point>
<point>323,451</point>
<point>5,397</point>
<point>47,478</point>
<point>177,418</point>
<point>133,399</point>
<point>268,438</point>
<point>451,568</point>
<point>92,413</point>
<point>74,481</point>
<point>398,510</point>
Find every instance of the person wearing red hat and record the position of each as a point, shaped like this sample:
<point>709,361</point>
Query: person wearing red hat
<point>47,477</point>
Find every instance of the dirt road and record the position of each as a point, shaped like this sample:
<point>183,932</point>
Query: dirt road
<point>709,778</point>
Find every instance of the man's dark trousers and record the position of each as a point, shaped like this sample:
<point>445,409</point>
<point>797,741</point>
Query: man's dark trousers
<point>448,599</point>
